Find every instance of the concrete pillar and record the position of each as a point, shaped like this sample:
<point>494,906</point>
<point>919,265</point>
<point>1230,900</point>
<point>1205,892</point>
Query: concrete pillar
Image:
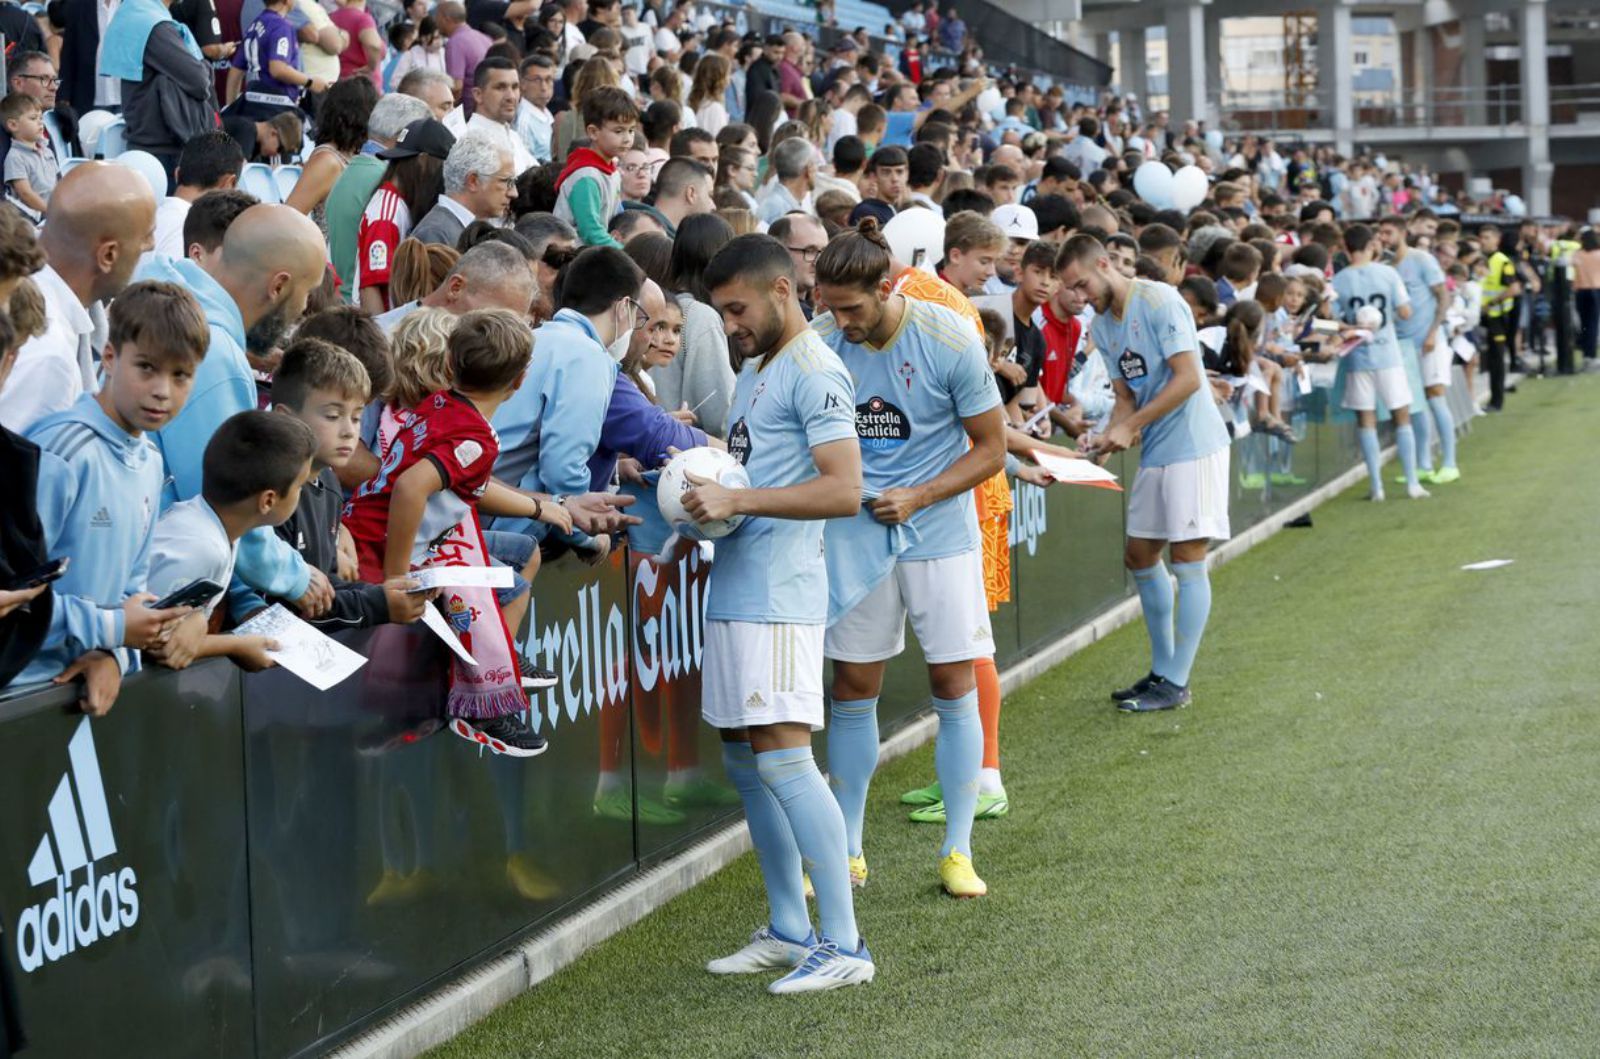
<point>1336,74</point>
<point>1102,48</point>
<point>1213,65</point>
<point>1536,168</point>
<point>1474,71</point>
<point>1132,65</point>
<point>1186,61</point>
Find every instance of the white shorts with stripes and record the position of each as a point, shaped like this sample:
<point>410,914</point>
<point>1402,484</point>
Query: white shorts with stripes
<point>755,673</point>
<point>1185,501</point>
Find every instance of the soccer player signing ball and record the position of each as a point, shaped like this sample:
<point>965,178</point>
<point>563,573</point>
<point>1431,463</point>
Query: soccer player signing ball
<point>793,427</point>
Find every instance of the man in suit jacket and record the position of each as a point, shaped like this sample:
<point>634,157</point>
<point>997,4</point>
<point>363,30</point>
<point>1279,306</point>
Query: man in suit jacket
<point>479,184</point>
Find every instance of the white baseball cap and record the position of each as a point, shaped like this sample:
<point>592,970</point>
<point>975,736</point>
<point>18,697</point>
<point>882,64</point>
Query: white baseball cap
<point>1018,222</point>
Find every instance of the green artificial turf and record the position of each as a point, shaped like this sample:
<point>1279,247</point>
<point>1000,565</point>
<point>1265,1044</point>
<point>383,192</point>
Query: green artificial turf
<point>1376,832</point>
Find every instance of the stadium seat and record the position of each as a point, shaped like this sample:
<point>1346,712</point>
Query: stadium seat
<point>286,177</point>
<point>257,179</point>
<point>114,139</point>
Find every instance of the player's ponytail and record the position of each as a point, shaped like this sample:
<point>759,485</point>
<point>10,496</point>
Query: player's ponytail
<point>858,259</point>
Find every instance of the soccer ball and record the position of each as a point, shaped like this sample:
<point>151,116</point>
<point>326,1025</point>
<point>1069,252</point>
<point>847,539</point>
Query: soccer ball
<point>1369,318</point>
<point>702,463</point>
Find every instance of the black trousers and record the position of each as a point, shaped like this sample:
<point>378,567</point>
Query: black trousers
<point>1501,329</point>
<point>1588,321</point>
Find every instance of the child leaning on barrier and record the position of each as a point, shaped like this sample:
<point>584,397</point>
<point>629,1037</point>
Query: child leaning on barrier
<point>421,510</point>
<point>100,491</point>
<point>254,468</point>
<point>325,388</point>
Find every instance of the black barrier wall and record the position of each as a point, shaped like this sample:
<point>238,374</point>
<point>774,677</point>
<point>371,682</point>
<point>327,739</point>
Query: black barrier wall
<point>233,865</point>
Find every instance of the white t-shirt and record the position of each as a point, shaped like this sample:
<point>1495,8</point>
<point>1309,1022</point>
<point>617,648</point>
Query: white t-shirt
<point>842,123</point>
<point>636,41</point>
<point>668,41</point>
<point>170,216</point>
<point>190,543</point>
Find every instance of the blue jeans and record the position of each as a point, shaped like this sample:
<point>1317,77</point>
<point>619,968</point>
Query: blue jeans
<point>513,550</point>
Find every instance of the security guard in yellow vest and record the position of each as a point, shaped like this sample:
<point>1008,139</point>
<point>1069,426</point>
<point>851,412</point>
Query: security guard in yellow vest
<point>1501,287</point>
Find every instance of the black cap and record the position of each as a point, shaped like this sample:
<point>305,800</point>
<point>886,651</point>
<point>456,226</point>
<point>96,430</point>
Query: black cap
<point>424,136</point>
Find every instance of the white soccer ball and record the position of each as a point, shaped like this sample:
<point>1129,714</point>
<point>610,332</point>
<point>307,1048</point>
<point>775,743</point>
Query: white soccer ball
<point>1369,318</point>
<point>714,464</point>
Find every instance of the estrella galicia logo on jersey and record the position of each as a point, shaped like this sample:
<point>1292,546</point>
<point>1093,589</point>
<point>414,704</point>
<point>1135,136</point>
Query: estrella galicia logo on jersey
<point>1132,365</point>
<point>881,426</point>
<point>739,442</point>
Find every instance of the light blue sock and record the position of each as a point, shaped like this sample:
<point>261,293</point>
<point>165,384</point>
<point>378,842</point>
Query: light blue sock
<point>957,758</point>
<point>1421,428</point>
<point>1446,429</point>
<point>1368,437</point>
<point>1406,442</point>
<point>1194,607</point>
<point>852,757</point>
<point>1155,598</point>
<point>818,826</point>
<point>774,842</point>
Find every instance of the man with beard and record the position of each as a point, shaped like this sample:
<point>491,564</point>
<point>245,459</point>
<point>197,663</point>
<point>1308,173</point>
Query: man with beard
<point>272,257</point>
<point>794,430</point>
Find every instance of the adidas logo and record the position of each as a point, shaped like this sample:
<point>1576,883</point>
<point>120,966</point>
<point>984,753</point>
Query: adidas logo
<point>980,634</point>
<point>76,916</point>
<point>755,701</point>
<point>101,520</point>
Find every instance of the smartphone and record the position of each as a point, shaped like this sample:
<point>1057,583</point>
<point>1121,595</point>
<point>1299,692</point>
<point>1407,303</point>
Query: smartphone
<point>42,575</point>
<point>196,593</point>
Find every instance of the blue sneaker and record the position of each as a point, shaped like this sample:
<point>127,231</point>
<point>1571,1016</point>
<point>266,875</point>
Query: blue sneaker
<point>827,966</point>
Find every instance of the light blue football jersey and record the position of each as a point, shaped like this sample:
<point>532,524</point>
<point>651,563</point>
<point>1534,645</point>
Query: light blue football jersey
<point>771,569</point>
<point>1420,272</point>
<point>911,397</point>
<point>1379,286</point>
<point>1156,325</point>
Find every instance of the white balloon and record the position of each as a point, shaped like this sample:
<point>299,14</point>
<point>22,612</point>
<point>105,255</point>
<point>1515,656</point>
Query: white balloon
<point>1153,182</point>
<point>1214,139</point>
<point>148,166</point>
<point>916,238</point>
<point>721,467</point>
<point>1189,187</point>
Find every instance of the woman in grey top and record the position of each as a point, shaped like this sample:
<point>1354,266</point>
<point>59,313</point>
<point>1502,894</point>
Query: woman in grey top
<point>701,377</point>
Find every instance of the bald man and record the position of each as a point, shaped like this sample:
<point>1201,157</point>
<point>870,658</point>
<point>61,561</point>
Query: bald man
<point>489,276</point>
<point>272,257</point>
<point>100,219</point>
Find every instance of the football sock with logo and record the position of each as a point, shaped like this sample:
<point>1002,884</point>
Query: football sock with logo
<point>852,757</point>
<point>1368,439</point>
<point>1194,607</point>
<point>774,841</point>
<point>1155,599</point>
<point>1446,429</point>
<point>818,827</point>
<point>1421,428</point>
<point>988,678</point>
<point>1406,442</point>
<point>957,757</point>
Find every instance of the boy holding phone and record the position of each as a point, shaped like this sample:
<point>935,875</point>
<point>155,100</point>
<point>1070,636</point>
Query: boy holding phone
<point>254,468</point>
<point>100,490</point>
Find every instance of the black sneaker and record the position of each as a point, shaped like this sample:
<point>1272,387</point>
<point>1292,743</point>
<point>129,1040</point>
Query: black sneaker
<point>509,735</point>
<point>1140,686</point>
<point>1162,694</point>
<point>535,678</point>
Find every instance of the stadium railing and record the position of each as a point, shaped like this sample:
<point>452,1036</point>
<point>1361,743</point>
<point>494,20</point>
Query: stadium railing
<point>205,868</point>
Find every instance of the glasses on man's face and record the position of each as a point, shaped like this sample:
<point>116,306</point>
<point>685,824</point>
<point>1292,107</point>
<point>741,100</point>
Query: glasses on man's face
<point>48,79</point>
<point>640,317</point>
<point>636,168</point>
<point>807,254</point>
<point>507,182</point>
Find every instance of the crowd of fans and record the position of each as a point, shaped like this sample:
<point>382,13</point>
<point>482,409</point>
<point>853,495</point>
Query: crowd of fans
<point>483,301</point>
